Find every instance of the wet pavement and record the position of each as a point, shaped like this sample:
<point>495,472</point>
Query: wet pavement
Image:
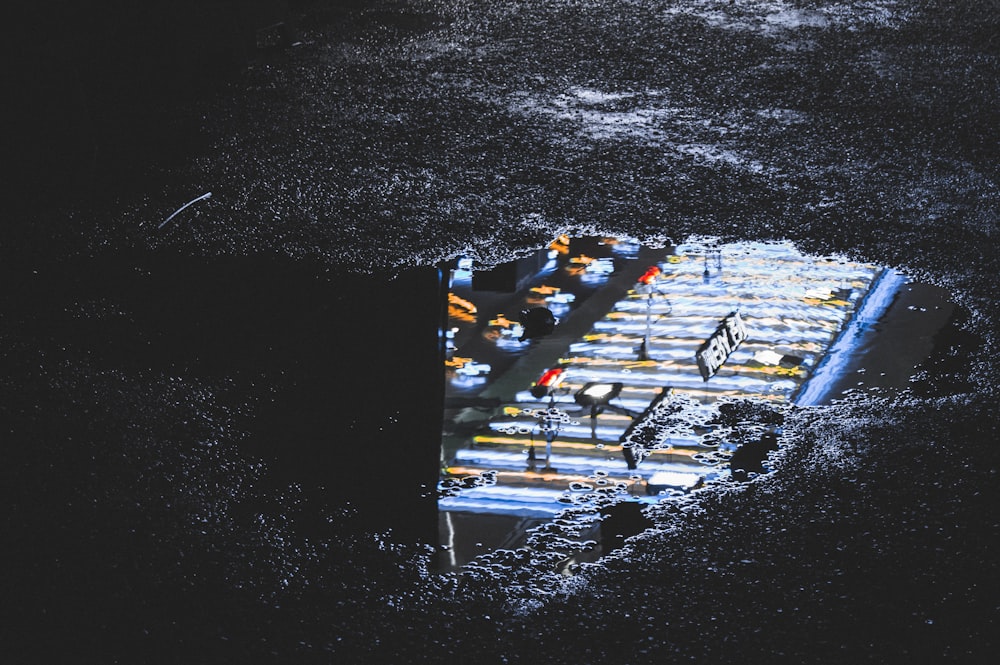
<point>138,526</point>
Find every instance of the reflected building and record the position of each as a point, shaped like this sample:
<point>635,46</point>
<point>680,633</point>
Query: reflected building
<point>531,422</point>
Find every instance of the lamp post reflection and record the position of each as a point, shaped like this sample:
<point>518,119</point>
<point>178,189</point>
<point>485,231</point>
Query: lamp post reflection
<point>551,419</point>
<point>597,396</point>
<point>550,422</point>
<point>646,285</point>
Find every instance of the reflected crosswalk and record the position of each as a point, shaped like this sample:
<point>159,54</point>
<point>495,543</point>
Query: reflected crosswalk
<point>793,307</point>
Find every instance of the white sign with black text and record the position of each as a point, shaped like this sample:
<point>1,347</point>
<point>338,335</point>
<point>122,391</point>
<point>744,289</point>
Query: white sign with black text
<point>716,350</point>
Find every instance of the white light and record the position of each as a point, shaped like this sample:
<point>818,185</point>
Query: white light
<point>674,479</point>
<point>767,357</point>
<point>600,390</point>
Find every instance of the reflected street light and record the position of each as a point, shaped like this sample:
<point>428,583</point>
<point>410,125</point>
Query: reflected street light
<point>646,285</point>
<point>550,420</point>
<point>596,396</point>
<point>547,383</point>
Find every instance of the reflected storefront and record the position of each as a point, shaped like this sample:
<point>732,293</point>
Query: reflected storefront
<point>536,427</point>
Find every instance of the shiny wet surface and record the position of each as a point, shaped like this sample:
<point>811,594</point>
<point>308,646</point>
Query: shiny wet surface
<point>522,444</point>
<point>871,130</point>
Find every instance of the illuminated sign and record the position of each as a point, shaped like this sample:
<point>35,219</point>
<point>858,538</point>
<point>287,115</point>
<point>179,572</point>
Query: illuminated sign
<point>716,350</point>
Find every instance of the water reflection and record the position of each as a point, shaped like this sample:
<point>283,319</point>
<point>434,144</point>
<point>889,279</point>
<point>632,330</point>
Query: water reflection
<point>621,401</point>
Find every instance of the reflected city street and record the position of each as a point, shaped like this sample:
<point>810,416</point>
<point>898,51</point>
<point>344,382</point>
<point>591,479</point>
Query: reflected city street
<point>647,340</point>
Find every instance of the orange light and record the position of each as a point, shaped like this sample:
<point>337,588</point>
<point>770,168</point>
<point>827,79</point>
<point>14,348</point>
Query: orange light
<point>650,275</point>
<point>459,314</point>
<point>561,244</point>
<point>462,303</point>
<point>457,362</point>
<point>500,322</point>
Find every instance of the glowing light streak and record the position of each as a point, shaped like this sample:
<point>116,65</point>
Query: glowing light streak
<point>206,195</point>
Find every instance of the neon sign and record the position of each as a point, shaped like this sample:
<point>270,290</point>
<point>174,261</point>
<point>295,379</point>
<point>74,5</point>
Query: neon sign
<point>716,350</point>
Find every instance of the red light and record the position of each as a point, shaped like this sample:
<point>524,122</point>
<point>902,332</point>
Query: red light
<point>549,377</point>
<point>650,275</point>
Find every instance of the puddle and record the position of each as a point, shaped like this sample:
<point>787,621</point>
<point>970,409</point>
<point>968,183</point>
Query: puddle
<point>638,392</point>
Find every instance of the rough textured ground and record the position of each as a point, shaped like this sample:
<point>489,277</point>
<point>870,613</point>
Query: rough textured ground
<point>143,524</point>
